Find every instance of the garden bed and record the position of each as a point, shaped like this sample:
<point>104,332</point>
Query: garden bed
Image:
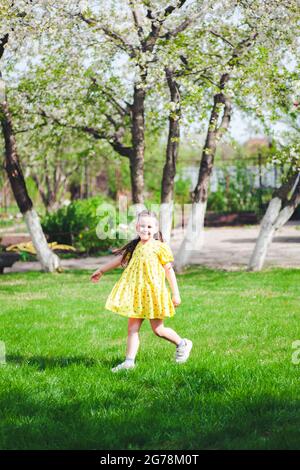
<point>216,219</point>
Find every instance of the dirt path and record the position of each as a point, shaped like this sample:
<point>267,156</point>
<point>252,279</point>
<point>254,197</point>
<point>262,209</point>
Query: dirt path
<point>230,247</point>
<point>226,248</point>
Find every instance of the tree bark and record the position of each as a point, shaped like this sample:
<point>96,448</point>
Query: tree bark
<point>166,210</point>
<point>11,165</point>
<point>194,233</point>
<point>279,211</point>
<point>48,194</point>
<point>214,133</point>
<point>138,145</point>
<point>86,188</point>
<point>48,259</point>
<point>169,171</point>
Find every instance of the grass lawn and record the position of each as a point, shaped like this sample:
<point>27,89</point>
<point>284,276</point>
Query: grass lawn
<point>239,390</point>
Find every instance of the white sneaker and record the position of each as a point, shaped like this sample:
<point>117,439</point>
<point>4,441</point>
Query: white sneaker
<point>183,352</point>
<point>123,366</point>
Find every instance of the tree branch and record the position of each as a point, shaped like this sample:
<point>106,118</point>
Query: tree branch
<point>113,140</point>
<point>239,49</point>
<point>119,40</point>
<point>207,78</point>
<point>137,21</point>
<point>225,118</point>
<point>283,191</point>
<point>221,37</point>
<point>3,42</point>
<point>178,29</point>
<point>157,21</point>
<point>38,126</point>
<point>112,121</point>
<point>295,199</point>
<point>168,10</point>
<point>109,94</point>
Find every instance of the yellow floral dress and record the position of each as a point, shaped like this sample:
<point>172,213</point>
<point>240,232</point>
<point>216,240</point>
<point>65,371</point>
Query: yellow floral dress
<point>141,291</point>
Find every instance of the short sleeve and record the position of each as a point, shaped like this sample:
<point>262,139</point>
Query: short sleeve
<point>165,254</point>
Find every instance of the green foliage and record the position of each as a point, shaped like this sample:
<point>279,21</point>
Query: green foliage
<point>237,194</point>
<point>76,225</point>
<point>24,256</point>
<point>118,173</point>
<point>182,191</point>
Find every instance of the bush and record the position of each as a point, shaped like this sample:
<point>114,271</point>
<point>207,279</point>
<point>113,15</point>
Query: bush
<point>76,225</point>
<point>182,191</point>
<point>237,194</point>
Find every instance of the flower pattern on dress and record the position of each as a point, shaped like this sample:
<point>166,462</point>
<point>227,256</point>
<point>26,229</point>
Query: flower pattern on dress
<point>141,291</point>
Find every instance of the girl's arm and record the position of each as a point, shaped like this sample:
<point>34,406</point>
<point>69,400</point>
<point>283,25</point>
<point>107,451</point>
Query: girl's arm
<point>107,267</point>
<point>170,274</point>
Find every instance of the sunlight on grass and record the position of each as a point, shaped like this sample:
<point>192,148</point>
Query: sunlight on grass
<point>238,390</point>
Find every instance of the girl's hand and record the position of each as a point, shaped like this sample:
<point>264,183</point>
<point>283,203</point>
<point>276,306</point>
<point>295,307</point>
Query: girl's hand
<point>96,275</point>
<point>176,300</point>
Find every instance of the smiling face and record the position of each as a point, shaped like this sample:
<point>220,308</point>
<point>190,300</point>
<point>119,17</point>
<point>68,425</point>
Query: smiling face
<point>146,227</point>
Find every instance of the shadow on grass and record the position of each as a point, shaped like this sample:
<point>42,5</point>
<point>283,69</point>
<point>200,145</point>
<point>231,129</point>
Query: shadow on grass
<point>32,422</point>
<point>176,408</point>
<point>44,362</point>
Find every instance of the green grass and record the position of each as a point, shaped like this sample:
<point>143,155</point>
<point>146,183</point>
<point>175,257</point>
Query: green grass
<point>239,390</point>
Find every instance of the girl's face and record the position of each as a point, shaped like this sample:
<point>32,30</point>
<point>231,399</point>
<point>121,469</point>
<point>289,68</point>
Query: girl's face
<point>146,227</point>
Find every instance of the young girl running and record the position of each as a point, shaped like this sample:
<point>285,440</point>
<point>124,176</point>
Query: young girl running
<point>141,292</point>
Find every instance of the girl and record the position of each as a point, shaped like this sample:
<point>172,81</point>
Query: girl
<point>141,291</point>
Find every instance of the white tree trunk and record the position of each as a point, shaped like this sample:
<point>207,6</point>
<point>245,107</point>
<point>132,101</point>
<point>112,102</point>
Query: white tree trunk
<point>165,219</point>
<point>193,236</point>
<point>273,219</point>
<point>50,261</point>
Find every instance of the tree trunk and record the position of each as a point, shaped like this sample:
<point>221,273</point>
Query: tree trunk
<point>11,165</point>
<point>47,258</point>
<point>42,193</point>
<point>53,187</point>
<point>194,234</point>
<point>50,261</point>
<point>169,171</point>
<point>138,146</point>
<point>165,219</point>
<point>214,133</point>
<point>278,213</point>
<point>85,180</point>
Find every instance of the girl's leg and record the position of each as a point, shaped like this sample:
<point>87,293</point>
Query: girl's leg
<point>167,333</point>
<point>133,342</point>
<point>183,346</point>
